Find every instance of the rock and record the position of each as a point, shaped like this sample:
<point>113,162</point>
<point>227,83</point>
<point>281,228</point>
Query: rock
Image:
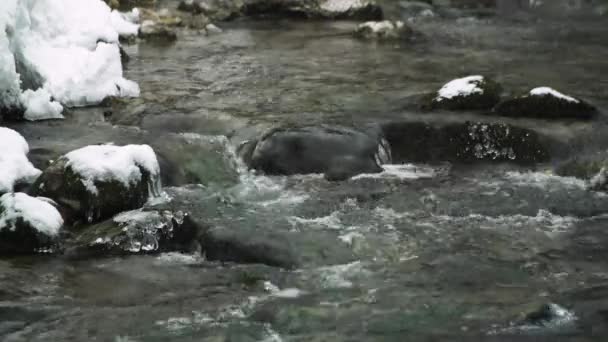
<point>464,142</point>
<point>156,31</point>
<point>129,4</point>
<point>314,9</point>
<point>546,103</point>
<point>15,168</point>
<point>317,149</point>
<point>99,181</point>
<point>137,232</point>
<point>28,224</point>
<point>468,93</point>
<point>384,30</point>
<point>12,113</point>
<point>583,167</point>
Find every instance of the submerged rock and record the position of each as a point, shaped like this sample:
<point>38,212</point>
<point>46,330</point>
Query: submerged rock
<point>467,93</point>
<point>317,9</point>
<point>334,150</point>
<point>98,181</point>
<point>384,30</point>
<point>136,232</point>
<point>464,142</point>
<point>28,224</point>
<point>546,103</point>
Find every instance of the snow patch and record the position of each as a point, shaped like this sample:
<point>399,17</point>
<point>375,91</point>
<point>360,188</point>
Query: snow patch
<point>341,6</point>
<point>544,91</point>
<point>38,212</point>
<point>119,163</point>
<point>381,26</point>
<point>40,106</point>
<point>460,87</point>
<point>14,165</point>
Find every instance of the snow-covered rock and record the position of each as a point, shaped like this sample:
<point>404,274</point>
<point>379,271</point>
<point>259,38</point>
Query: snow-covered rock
<point>98,181</point>
<point>67,51</point>
<point>383,30</point>
<point>545,102</point>
<point>467,93</point>
<point>27,224</point>
<point>15,168</point>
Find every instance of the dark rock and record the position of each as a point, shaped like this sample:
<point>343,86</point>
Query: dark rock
<point>547,105</point>
<point>248,247</point>
<point>12,113</point>
<point>468,93</point>
<point>137,232</point>
<point>157,32</point>
<point>464,142</point>
<point>317,149</point>
<point>28,225</point>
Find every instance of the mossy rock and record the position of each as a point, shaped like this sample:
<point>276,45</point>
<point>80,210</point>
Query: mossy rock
<point>545,107</point>
<point>66,187</point>
<point>485,99</point>
<point>464,142</point>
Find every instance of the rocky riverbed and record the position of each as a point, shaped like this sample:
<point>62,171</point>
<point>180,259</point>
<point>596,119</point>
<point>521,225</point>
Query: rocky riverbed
<point>440,182</point>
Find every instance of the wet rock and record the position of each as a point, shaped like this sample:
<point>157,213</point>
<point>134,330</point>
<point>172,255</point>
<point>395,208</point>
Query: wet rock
<point>384,30</point>
<point>546,103</point>
<point>12,113</point>
<point>318,9</point>
<point>28,224</point>
<point>154,31</point>
<point>317,149</point>
<point>99,181</point>
<point>414,8</point>
<point>584,166</point>
<point>137,232</point>
<point>129,4</point>
<point>467,93</point>
<point>464,142</point>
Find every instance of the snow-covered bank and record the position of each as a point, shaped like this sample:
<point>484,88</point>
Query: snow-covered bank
<point>60,52</point>
<point>15,168</point>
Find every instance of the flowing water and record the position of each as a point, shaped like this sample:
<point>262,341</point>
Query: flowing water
<point>418,252</point>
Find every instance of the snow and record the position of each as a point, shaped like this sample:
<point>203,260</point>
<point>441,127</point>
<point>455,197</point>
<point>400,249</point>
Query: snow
<point>125,23</point>
<point>40,106</point>
<point>14,165</point>
<point>109,162</point>
<point>340,6</point>
<point>544,91</point>
<point>380,26</point>
<point>69,53</point>
<point>38,212</point>
<point>460,87</point>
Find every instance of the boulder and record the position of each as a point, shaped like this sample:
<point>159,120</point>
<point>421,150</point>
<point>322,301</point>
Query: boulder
<point>317,149</point>
<point>155,31</point>
<point>28,224</point>
<point>464,142</point>
<point>98,181</point>
<point>15,168</point>
<point>315,9</point>
<point>546,103</point>
<point>467,93</point>
<point>136,232</point>
<point>384,30</point>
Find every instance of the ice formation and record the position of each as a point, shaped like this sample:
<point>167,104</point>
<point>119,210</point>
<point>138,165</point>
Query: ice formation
<point>37,211</point>
<point>119,163</point>
<point>60,52</point>
<point>460,87</point>
<point>14,165</point>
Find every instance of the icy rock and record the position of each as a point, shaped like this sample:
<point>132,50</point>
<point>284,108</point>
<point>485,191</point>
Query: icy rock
<point>467,93</point>
<point>137,232</point>
<point>15,168</point>
<point>547,103</point>
<point>98,181</point>
<point>28,224</point>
